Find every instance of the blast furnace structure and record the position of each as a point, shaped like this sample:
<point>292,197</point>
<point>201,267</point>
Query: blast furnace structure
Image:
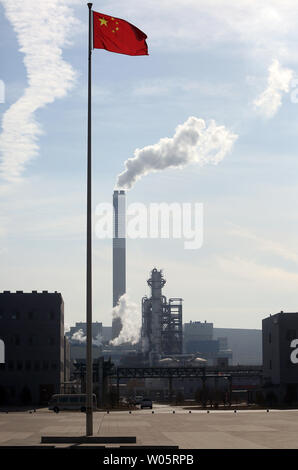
<point>161,321</point>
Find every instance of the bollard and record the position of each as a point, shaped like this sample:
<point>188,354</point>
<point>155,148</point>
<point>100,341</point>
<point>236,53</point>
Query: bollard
<point>189,411</point>
<point>235,411</point>
<point>153,412</point>
<point>173,411</point>
<point>267,411</point>
<point>208,411</point>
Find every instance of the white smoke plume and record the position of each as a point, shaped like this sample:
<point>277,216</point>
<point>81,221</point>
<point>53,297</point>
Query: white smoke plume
<point>79,336</point>
<point>43,29</point>
<point>97,341</point>
<point>279,79</point>
<point>194,142</point>
<point>130,316</point>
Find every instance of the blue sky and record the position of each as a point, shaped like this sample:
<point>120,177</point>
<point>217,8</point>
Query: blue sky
<point>214,60</point>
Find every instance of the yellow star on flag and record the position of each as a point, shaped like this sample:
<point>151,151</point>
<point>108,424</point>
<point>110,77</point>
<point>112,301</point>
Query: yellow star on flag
<point>103,22</point>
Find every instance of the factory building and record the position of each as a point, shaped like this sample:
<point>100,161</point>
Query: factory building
<point>119,254</point>
<point>280,359</point>
<point>161,333</point>
<point>32,330</point>
<point>79,331</point>
<point>199,339</point>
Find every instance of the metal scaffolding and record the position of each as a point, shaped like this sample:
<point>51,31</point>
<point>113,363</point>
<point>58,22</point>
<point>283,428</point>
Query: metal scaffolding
<point>161,321</point>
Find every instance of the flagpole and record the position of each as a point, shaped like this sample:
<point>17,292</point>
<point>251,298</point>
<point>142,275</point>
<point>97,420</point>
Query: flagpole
<point>89,365</point>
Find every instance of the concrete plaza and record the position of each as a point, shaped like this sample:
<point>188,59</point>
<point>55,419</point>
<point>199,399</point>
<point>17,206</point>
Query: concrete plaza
<point>247,429</point>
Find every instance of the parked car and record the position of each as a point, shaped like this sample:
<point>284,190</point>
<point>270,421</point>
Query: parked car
<point>69,402</point>
<point>146,403</point>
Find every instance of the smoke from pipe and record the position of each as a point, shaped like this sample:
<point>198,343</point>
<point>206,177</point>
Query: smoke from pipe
<point>79,337</point>
<point>193,142</point>
<point>130,317</point>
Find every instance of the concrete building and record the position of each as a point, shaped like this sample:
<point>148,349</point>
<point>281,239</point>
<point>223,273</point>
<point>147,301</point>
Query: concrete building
<point>32,329</point>
<point>66,360</point>
<point>79,331</point>
<point>280,363</point>
<point>199,339</point>
<point>119,254</point>
<point>106,334</point>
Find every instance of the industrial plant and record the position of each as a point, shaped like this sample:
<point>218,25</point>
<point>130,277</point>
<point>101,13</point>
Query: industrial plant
<point>161,322</point>
<point>169,358</point>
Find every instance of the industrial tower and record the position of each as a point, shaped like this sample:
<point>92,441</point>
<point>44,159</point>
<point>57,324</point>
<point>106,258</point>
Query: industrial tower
<point>119,255</point>
<point>161,321</point>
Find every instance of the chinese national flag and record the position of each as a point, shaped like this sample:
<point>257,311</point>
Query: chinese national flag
<point>116,35</point>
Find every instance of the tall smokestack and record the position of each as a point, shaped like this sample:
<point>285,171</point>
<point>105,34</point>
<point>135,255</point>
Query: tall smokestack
<point>119,254</point>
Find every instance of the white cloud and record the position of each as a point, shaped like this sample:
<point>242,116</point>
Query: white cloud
<point>42,29</point>
<point>270,100</point>
<point>262,26</point>
<point>193,142</point>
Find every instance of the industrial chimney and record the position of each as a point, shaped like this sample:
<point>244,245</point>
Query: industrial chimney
<point>119,254</point>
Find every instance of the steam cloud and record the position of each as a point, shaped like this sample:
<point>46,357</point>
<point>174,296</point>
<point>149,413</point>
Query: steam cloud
<point>42,29</point>
<point>79,337</point>
<point>193,142</point>
<point>130,317</point>
<point>270,100</point>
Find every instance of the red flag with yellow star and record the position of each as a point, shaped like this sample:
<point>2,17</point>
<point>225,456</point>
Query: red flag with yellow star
<point>116,35</point>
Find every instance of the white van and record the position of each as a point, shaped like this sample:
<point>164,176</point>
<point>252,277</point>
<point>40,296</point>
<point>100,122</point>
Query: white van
<point>70,401</point>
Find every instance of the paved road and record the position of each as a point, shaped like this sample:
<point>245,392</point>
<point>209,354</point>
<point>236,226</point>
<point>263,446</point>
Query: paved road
<point>247,429</point>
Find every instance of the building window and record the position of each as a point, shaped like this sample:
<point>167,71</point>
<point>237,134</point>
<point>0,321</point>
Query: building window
<point>30,315</point>
<point>45,365</point>
<point>15,340</point>
<point>36,365</point>
<point>15,315</point>
<point>19,365</point>
<point>32,340</point>
<point>28,365</point>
